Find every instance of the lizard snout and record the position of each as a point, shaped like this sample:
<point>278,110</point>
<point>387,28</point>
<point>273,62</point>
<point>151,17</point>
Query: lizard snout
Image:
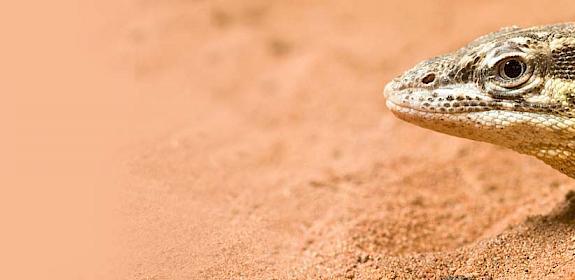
<point>389,88</point>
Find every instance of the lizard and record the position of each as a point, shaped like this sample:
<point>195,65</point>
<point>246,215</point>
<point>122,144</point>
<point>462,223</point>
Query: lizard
<point>514,87</point>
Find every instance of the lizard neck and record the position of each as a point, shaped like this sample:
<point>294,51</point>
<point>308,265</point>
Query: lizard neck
<point>560,157</point>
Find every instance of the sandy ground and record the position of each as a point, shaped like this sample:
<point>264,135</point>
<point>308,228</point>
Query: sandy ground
<point>249,140</point>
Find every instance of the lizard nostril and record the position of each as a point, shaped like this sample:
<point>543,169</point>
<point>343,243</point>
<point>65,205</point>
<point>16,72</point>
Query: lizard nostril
<point>428,79</point>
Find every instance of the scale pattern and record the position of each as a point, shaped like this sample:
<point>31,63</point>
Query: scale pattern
<point>467,93</point>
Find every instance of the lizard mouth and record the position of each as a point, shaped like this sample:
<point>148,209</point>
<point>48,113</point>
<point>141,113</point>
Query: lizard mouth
<point>444,100</point>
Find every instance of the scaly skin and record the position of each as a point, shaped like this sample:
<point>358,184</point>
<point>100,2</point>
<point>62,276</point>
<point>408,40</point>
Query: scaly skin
<point>475,92</point>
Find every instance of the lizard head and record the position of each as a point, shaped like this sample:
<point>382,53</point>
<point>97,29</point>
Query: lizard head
<point>514,88</point>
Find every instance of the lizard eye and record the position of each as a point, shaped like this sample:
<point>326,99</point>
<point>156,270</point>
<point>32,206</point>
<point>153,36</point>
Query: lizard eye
<point>511,68</point>
<point>512,72</point>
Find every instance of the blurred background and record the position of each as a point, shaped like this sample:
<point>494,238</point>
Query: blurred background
<point>250,140</point>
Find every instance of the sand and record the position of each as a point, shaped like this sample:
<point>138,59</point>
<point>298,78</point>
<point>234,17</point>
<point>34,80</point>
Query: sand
<point>250,140</point>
